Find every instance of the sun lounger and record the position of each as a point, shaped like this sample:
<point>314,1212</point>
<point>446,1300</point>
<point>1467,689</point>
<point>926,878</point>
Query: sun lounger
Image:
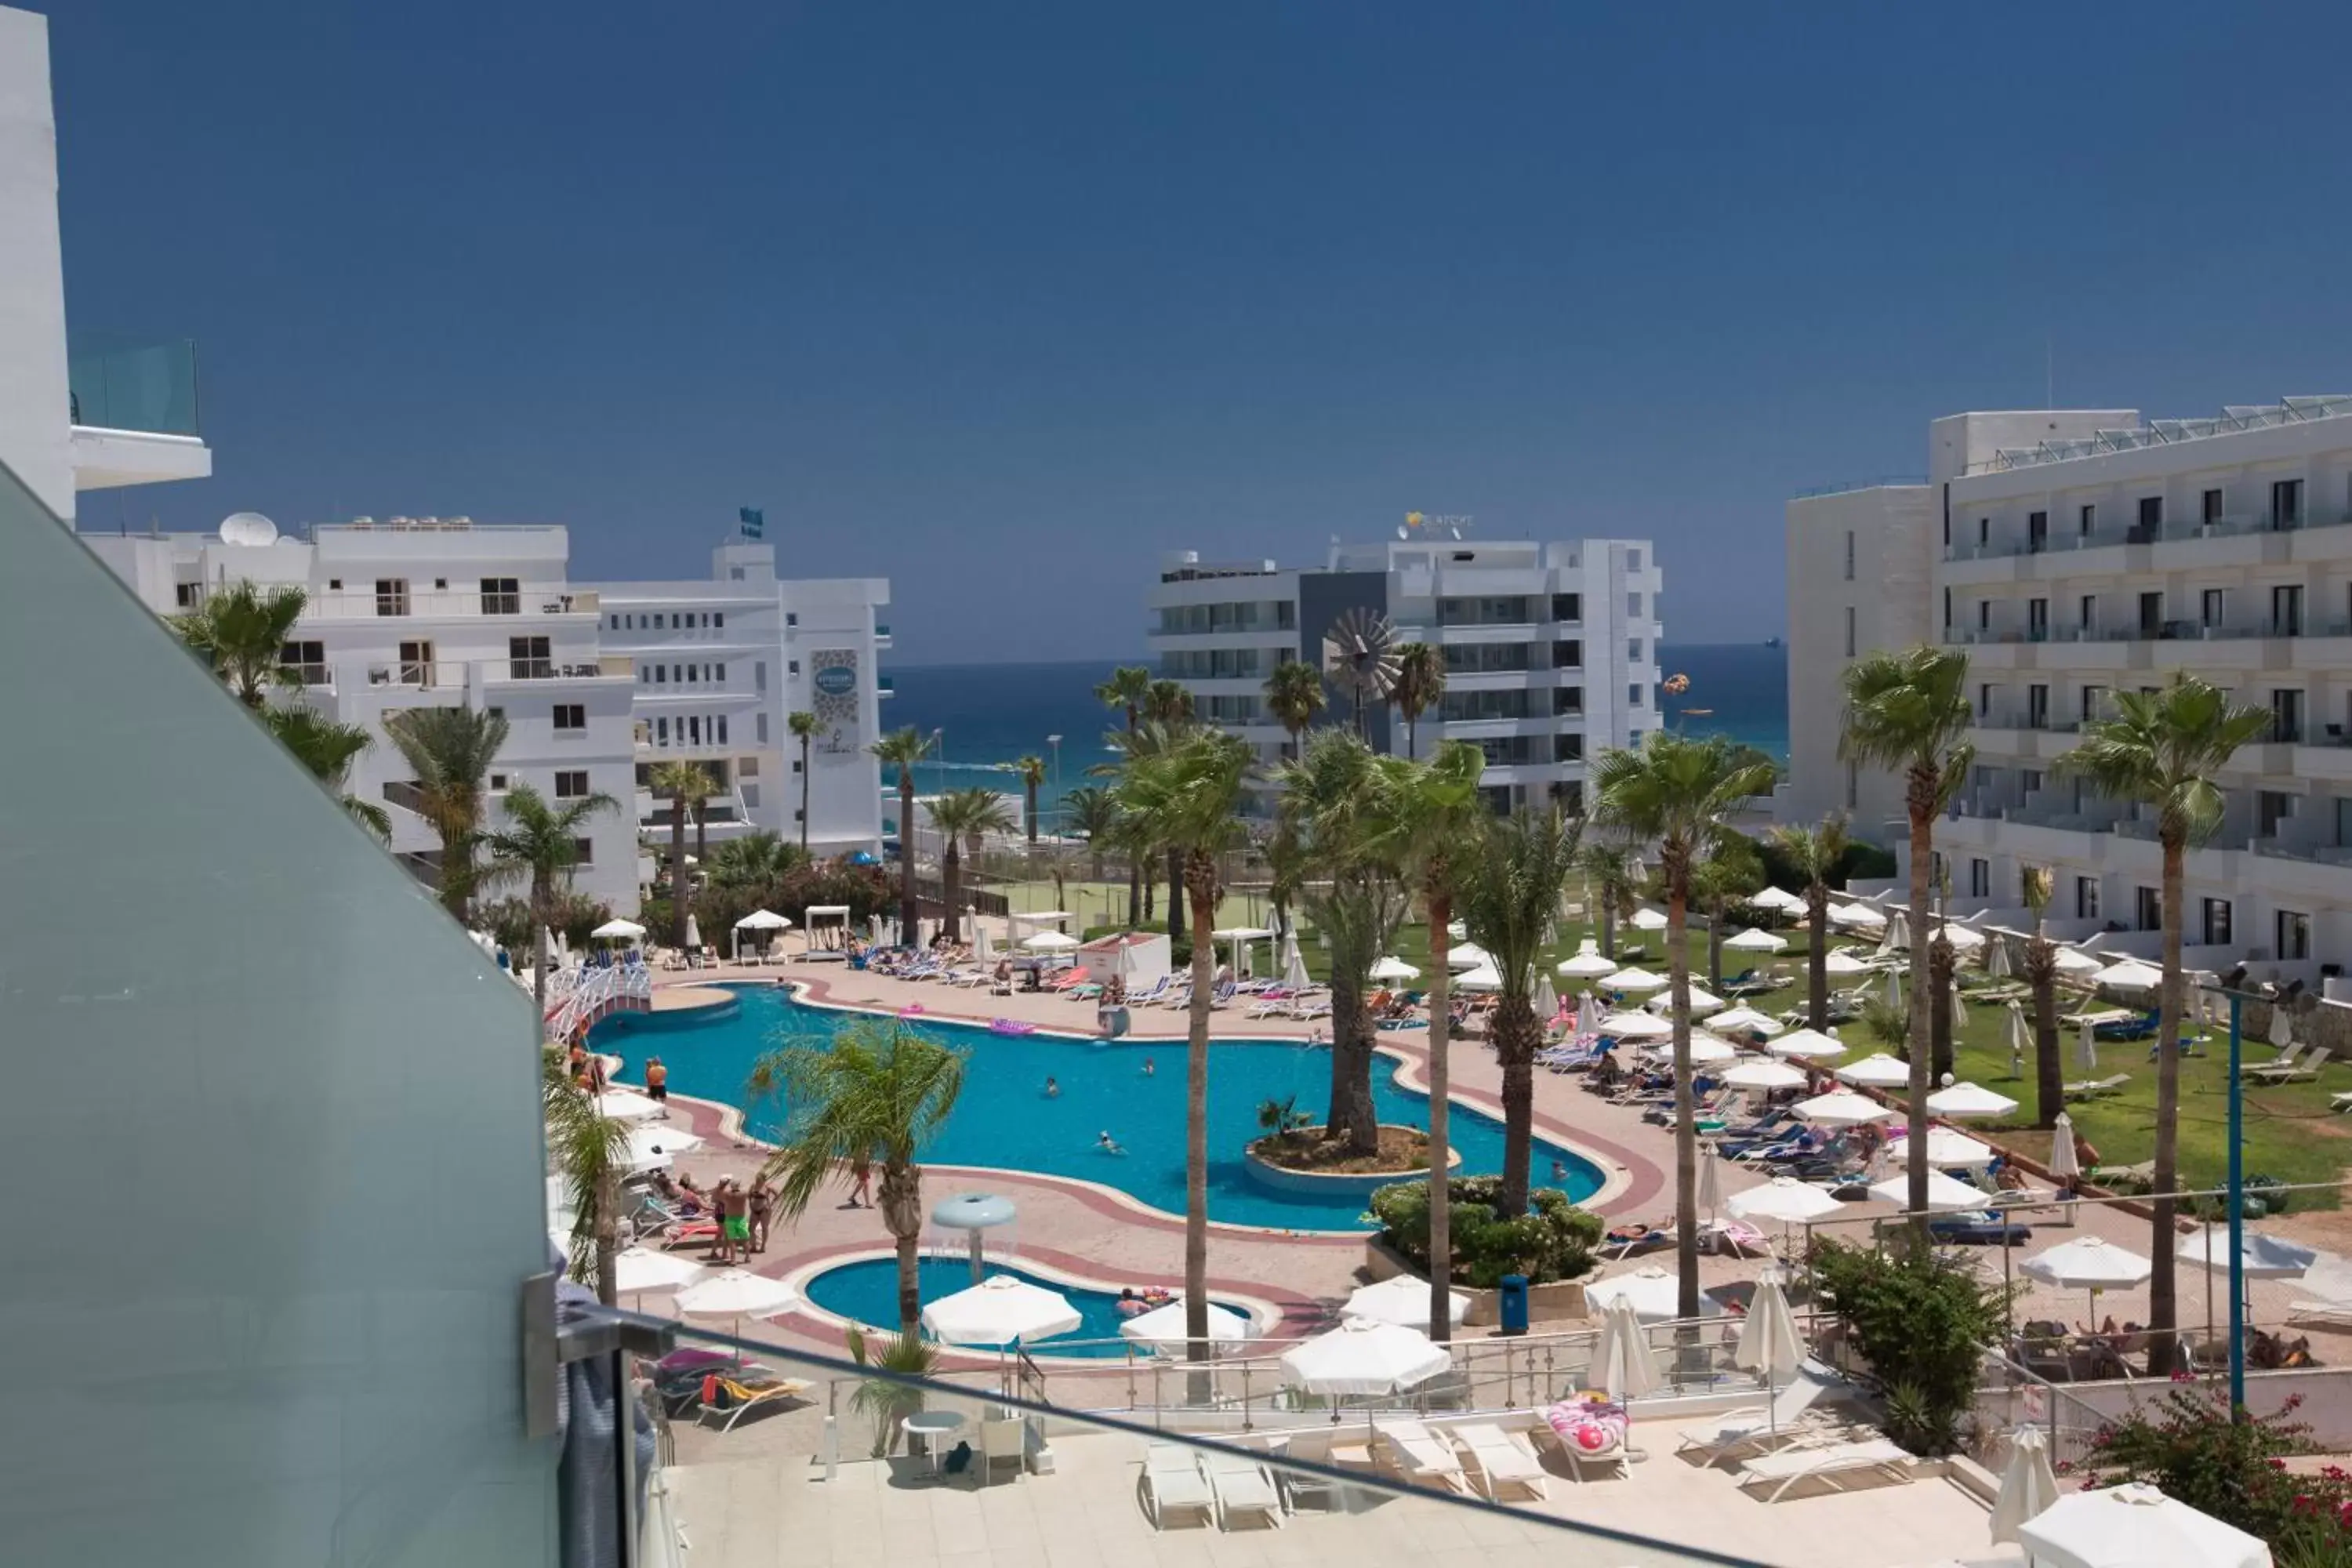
<point>1241,1485</point>
<point>2284,1071</point>
<point>1758,1429</point>
<point>1172,1483</point>
<point>1419,1457</point>
<point>1314,1447</point>
<point>1501,1462</point>
<point>727,1400</point>
<point>1831,1462</point>
<point>2092,1088</point>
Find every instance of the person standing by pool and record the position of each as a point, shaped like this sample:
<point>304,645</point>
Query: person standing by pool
<point>861,1192</point>
<point>762,1205</point>
<point>734,1223</point>
<point>656,1081</point>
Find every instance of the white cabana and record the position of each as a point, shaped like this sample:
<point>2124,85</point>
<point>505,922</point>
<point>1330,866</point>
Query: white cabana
<point>1968,1102</point>
<point>1877,1070</point>
<point>1810,1043</point>
<point>1052,941</point>
<point>1766,1074</point>
<point>1635,1027</point>
<point>1000,1311</point>
<point>2128,974</point>
<point>1621,1364</point>
<point>1844,964</point>
<point>1633,979</point>
<point>2029,1483</point>
<point>1945,1194</point>
<point>1648,918</point>
<point>1481,976</point>
<point>2135,1526</point>
<point>1842,1108</point>
<point>1653,1294</point>
<point>1779,899</point>
<point>1162,1328</point>
<point>1364,1357</point>
<point>1400,1299</point>
<point>617,931</point>
<point>1588,963</point>
<point>1747,1021</point>
<point>2090,1264</point>
<point>827,931</point>
<point>758,920</point>
<point>1394,969</point>
<point>1754,940</point>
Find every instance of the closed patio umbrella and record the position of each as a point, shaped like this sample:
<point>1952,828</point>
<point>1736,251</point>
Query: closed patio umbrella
<point>2064,1165</point>
<point>1546,1000</point>
<point>2029,1484</point>
<point>1769,1340</point>
<point>1895,989</point>
<point>693,933</point>
<point>2086,1047</point>
<point>1621,1362</point>
<point>1710,1182</point>
<point>1997,960</point>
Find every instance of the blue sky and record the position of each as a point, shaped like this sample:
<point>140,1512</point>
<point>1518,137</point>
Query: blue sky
<point>1002,301</point>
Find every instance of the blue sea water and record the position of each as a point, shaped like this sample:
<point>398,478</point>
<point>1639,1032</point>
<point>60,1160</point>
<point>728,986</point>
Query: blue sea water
<point>867,1291</point>
<point>1004,1119</point>
<point>990,714</point>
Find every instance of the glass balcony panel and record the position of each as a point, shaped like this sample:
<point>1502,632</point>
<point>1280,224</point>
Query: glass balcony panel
<point>122,383</point>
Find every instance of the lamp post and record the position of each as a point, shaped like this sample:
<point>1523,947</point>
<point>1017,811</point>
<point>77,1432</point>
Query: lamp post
<point>1053,748</point>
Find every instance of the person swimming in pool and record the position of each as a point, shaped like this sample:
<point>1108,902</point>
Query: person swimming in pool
<point>1147,1066</point>
<point>1559,1170</point>
<point>1108,1145</point>
<point>1053,1090</point>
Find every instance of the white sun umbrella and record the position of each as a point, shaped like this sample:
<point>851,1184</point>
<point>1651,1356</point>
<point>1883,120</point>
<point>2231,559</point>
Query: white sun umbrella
<point>1858,914</point>
<point>2021,1033</point>
<point>651,1146</point>
<point>1807,1043</point>
<point>1841,1108</point>
<point>2086,1047</point>
<point>1589,963</point>
<point>983,947</point>
<point>1394,969</point>
<point>1621,1364</point>
<point>1050,942</point>
<point>1785,1199</point>
<point>1895,989</point>
<point>638,1269</point>
<point>1877,1070</point>
<point>2135,1526</point>
<point>693,931</point>
<point>1843,962</point>
<point>1945,1194</point>
<point>1710,1182</point>
<point>1589,1014</point>
<point>2128,974</point>
<point>1546,1000</point>
<point>1294,971</point>
<point>1648,918</point>
<point>626,1105</point>
<point>1769,1340</point>
<point>618,930</point>
<point>1364,1357</point>
<point>1997,960</point>
<point>737,1294</point>
<point>763,920</point>
<point>1754,940</point>
<point>1655,1294</point>
<point>1400,1299</point>
<point>1765,1074</point>
<point>1898,932</point>
<point>1959,1014</point>
<point>1290,946</point>
<point>1466,955</point>
<point>1635,1027</point>
<point>1706,1050</point>
<point>1968,1102</point>
<point>1482,977</point>
<point>1779,899</point>
<point>1963,939</point>
<point>1162,1328</point>
<point>1000,1311</point>
<point>1633,980</point>
<point>2281,1027</point>
<point>2064,1165</point>
<point>2075,961</point>
<point>2263,1256</point>
<point>1746,1021</point>
<point>2028,1485</point>
<point>2090,1264</point>
<point>1702,1001</point>
<point>1948,1148</point>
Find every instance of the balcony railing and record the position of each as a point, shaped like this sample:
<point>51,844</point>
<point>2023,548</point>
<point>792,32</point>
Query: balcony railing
<point>309,674</point>
<point>2172,532</point>
<point>120,383</point>
<point>2168,432</point>
<point>367,604</point>
<point>2167,631</point>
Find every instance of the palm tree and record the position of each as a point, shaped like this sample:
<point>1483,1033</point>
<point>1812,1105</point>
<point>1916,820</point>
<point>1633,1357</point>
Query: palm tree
<point>328,750</point>
<point>1148,738</point>
<point>755,860</point>
<point>875,1098</point>
<point>1909,713</point>
<point>2037,884</point>
<point>2162,750</point>
<point>962,816</point>
<point>1327,799</point>
<point>1510,893</point>
<point>1680,793</point>
<point>1818,852</point>
<point>1615,868</point>
<point>1031,770</point>
<point>1093,812</point>
<point>541,844</point>
<point>1433,812</point>
<point>1293,695</point>
<point>590,1152</point>
<point>903,749</point>
<point>1169,706</point>
<point>1188,796</point>
<point>803,728</point>
<point>687,786</point>
<point>1127,689</point>
<point>1732,872</point>
<point>450,750</point>
<point>1420,682</point>
<point>241,631</point>
<point>1167,702</point>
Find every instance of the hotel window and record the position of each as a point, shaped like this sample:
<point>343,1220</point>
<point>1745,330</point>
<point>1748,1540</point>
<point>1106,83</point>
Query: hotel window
<point>1984,615</point>
<point>527,658</point>
<point>2037,620</point>
<point>1849,555</point>
<point>187,596</point>
<point>2094,704</point>
<point>2086,521</point>
<point>2212,604</point>
<point>2286,715</point>
<point>2037,707</point>
<point>501,596</point>
<point>2294,931</point>
<point>1567,748</point>
<point>759,677</point>
<point>759,728</point>
<point>572,784</point>
<point>2037,532</point>
<point>719,674</point>
<point>1567,699</point>
<point>2286,610</point>
<point>2272,808</point>
<point>392,596</point>
<point>1568,606</point>
<point>2209,511</point>
<point>1984,700</point>
<point>661,675</point>
<point>1979,878</point>
<point>661,732</point>
<point>2217,915</point>
<point>571,716</point>
<point>793,667</point>
<point>1948,609</point>
<point>694,730</point>
<point>1632,561</point>
<point>1634,605</point>
<point>2151,518</point>
<point>1634,649</point>
<point>1633,696</point>
<point>497,780</point>
<point>2030,781</point>
<point>1567,654</point>
<point>791,618</point>
<point>750,792</point>
<point>583,852</point>
<point>1984,531</point>
<point>2286,504</point>
<point>2088,612</point>
<point>305,661</point>
<point>1849,631</point>
<point>2086,898</point>
<point>721,723</point>
<point>747,767</point>
<point>2148,909</point>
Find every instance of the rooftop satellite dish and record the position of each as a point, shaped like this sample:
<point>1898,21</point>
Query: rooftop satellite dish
<point>247,527</point>
<point>1404,532</point>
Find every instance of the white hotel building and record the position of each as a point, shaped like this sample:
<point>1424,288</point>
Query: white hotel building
<point>1552,648</point>
<point>2075,553</point>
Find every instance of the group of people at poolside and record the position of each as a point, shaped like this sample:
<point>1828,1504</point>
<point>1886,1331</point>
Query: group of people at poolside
<point>741,1210</point>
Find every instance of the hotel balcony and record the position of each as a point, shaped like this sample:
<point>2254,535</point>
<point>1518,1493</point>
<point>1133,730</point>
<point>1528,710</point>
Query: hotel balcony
<point>881,635</point>
<point>884,686</point>
<point>133,407</point>
<point>2240,540</point>
<point>2306,642</point>
<point>447,604</point>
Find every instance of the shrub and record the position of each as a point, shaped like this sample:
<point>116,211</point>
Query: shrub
<point>1924,1323</point>
<point>866,889</point>
<point>1553,1241</point>
<point>575,915</point>
<point>2186,1444</point>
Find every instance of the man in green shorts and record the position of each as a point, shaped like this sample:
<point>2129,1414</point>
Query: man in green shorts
<point>735,1222</point>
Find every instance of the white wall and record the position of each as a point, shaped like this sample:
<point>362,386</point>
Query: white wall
<point>36,430</point>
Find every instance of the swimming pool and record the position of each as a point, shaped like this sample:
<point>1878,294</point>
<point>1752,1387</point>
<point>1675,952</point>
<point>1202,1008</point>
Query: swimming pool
<point>867,1291</point>
<point>1004,1119</point>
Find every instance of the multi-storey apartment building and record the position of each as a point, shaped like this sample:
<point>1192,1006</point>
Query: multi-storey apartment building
<point>1550,649</point>
<point>2077,554</point>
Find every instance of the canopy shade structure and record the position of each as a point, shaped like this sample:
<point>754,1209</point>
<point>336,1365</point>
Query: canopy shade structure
<point>1779,899</point>
<point>617,931</point>
<point>1364,1357</point>
<point>1945,1194</point>
<point>1766,1075</point>
<point>1842,962</point>
<point>1746,1021</point>
<point>1784,1198</point>
<point>1842,1108</point>
<point>2263,1256</point>
<point>1000,1311</point>
<point>2135,1526</point>
<point>1807,1043</point>
<point>1755,941</point>
<point>1633,979</point>
<point>1050,942</point>
<point>1876,1071</point>
<point>1635,1027</point>
<point>763,920</point>
<point>2088,1263</point>
<point>1647,918</point>
<point>1402,1299</point>
<point>1588,963</point>
<point>1394,969</point>
<point>1466,955</point>
<point>1481,976</point>
<point>2129,974</point>
<point>1162,1328</point>
<point>1653,1294</point>
<point>1968,1102</point>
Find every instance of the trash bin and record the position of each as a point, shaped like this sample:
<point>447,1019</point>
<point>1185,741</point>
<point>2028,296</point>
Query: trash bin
<point>1512,1303</point>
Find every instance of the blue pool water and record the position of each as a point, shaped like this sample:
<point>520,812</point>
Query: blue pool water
<point>867,1291</point>
<point>1003,1118</point>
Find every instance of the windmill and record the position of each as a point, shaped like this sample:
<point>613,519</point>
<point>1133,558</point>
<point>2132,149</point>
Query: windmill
<point>1359,656</point>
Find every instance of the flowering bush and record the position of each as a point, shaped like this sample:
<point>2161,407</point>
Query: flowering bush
<point>2186,1446</point>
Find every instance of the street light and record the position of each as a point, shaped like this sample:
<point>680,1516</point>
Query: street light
<point>1053,745</point>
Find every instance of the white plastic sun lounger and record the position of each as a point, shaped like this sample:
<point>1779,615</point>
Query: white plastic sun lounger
<point>1831,1462</point>
<point>1420,1457</point>
<point>1172,1483</point>
<point>1241,1485</point>
<point>1742,1434</point>
<point>1501,1462</point>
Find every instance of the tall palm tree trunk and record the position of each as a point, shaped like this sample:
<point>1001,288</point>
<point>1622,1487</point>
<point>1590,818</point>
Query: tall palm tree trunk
<point>1714,946</point>
<point>1200,876</point>
<point>540,893</point>
<point>1685,1112</point>
<point>702,833</point>
<point>1608,920</point>
<point>1516,1035</point>
<point>2163,1307</point>
<point>1176,899</point>
<point>1940,958</point>
<point>951,882</point>
<point>2049,1068</point>
<point>910,911</point>
<point>681,905</point>
<point>1441,1196</point>
<point>1922,805</point>
<point>1817,963</point>
<point>1032,813</point>
<point>608,1238</point>
<point>901,1197</point>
